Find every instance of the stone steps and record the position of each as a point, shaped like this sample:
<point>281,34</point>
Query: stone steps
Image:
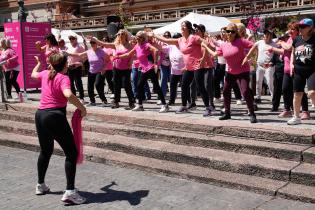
<point>206,157</point>
<point>287,151</point>
<point>232,154</point>
<point>202,174</point>
<point>204,125</point>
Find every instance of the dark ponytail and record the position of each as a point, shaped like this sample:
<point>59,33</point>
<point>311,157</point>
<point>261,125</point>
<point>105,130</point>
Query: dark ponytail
<point>58,62</point>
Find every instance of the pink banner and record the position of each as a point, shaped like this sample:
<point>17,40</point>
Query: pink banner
<point>31,32</point>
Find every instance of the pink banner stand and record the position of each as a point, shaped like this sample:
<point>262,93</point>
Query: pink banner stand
<point>28,34</point>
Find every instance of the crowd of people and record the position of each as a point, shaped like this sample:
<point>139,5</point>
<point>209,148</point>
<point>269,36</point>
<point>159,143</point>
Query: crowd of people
<point>200,63</point>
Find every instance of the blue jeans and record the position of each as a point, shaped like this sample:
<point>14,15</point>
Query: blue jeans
<point>135,74</point>
<point>165,77</point>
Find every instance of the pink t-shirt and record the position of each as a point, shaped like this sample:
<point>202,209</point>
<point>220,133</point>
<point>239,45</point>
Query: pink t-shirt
<point>110,53</point>
<point>287,57</point>
<point>122,63</point>
<point>208,59</point>
<point>75,60</point>
<point>234,54</point>
<point>143,51</point>
<point>12,58</point>
<point>191,49</point>
<point>50,50</point>
<point>52,90</point>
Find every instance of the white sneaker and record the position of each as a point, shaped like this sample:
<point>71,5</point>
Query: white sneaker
<point>72,197</point>
<point>159,102</point>
<point>164,109</point>
<point>138,108</point>
<point>41,189</point>
<point>112,96</point>
<point>239,102</point>
<point>217,100</point>
<point>294,121</point>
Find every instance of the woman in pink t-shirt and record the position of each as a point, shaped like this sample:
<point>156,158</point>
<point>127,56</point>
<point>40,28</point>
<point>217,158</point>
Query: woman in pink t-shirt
<point>190,46</point>
<point>11,66</point>
<point>142,50</point>
<point>238,71</point>
<point>287,83</point>
<point>122,67</point>
<point>51,46</point>
<point>51,124</point>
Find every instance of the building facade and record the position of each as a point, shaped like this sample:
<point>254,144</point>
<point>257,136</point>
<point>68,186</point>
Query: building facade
<point>91,15</point>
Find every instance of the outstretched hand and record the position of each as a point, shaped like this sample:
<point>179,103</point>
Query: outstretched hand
<point>37,59</point>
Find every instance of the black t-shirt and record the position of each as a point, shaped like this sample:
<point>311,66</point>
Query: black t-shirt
<point>304,56</point>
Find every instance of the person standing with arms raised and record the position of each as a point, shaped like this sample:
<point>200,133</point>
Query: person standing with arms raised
<point>97,59</point>
<point>142,50</point>
<point>190,46</point>
<point>238,70</point>
<point>51,124</point>
<point>75,66</point>
<point>122,67</point>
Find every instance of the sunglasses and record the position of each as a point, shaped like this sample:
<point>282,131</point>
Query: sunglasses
<point>72,38</point>
<point>303,26</point>
<point>230,31</point>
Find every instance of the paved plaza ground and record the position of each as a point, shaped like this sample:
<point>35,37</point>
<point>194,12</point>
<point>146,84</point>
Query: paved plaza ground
<point>112,187</point>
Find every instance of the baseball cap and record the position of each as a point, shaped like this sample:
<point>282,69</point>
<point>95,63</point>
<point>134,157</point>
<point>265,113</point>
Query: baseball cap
<point>307,22</point>
<point>201,27</point>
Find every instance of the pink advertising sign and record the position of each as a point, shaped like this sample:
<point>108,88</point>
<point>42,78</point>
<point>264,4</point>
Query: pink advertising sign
<point>30,33</point>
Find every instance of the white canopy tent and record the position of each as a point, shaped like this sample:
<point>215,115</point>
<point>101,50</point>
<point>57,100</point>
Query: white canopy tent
<point>64,34</point>
<point>213,24</point>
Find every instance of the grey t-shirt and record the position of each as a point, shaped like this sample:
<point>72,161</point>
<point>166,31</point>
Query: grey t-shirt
<point>264,56</point>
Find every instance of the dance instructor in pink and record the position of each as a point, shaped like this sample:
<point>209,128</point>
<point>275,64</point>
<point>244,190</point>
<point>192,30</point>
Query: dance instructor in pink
<point>238,70</point>
<point>51,124</point>
<point>190,46</point>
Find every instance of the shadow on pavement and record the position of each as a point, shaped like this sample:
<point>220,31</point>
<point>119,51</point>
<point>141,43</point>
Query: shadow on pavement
<point>109,195</point>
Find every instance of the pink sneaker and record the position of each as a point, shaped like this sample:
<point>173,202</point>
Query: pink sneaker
<point>305,115</point>
<point>285,114</point>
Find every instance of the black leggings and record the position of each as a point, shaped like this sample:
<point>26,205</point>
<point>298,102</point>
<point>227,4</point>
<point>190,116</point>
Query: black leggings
<point>287,90</point>
<point>154,79</point>
<point>209,84</point>
<point>175,79</point>
<point>99,80</point>
<point>109,80</point>
<point>199,77</point>
<point>122,79</point>
<point>52,124</point>
<point>10,80</point>
<point>75,76</point>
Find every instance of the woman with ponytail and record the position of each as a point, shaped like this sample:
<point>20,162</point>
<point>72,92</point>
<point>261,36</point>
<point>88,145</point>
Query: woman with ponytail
<point>51,124</point>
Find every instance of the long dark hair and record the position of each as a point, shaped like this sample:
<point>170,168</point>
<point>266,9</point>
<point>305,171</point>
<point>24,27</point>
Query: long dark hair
<point>58,62</point>
<point>52,39</point>
<point>189,26</point>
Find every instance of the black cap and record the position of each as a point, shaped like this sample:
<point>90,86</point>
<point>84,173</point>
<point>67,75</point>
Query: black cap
<point>201,27</point>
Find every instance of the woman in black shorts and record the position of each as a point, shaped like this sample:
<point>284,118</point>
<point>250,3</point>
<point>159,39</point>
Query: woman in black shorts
<point>303,66</point>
